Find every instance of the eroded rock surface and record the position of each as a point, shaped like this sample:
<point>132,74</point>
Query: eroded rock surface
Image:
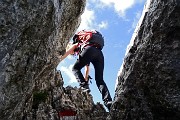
<point>149,83</point>
<point>32,33</point>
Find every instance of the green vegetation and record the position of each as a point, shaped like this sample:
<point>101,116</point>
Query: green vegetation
<point>39,97</point>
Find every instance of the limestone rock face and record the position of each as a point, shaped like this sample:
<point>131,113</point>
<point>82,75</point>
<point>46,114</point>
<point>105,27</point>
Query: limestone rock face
<point>32,32</point>
<point>80,102</point>
<point>149,83</point>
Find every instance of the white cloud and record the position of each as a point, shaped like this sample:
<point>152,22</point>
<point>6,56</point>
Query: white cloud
<point>103,25</point>
<point>68,72</point>
<point>135,21</point>
<point>120,6</point>
<point>88,21</point>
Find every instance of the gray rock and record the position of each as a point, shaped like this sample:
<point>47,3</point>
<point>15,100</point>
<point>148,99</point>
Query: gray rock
<point>31,34</point>
<point>149,83</point>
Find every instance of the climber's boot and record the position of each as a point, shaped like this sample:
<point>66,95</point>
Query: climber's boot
<point>85,87</point>
<point>108,104</point>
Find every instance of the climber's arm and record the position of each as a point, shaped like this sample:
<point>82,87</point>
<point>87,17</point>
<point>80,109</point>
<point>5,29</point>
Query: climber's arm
<point>69,51</point>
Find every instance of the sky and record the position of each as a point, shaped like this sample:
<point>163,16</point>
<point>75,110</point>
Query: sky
<point>116,20</point>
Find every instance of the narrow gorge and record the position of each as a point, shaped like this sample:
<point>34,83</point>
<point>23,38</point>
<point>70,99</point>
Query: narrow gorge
<point>32,33</point>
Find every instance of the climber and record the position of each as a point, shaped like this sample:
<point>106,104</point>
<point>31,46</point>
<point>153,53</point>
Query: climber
<point>71,50</point>
<point>89,45</point>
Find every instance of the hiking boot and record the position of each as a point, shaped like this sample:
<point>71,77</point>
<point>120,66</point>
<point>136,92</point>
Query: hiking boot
<point>108,104</point>
<point>85,88</point>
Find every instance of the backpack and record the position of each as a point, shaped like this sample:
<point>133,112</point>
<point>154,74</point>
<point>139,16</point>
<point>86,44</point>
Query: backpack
<point>88,37</point>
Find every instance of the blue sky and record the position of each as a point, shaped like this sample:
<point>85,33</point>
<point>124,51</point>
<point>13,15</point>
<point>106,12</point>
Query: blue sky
<point>116,20</point>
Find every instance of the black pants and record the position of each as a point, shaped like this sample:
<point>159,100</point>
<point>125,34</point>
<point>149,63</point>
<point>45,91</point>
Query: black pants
<point>95,56</point>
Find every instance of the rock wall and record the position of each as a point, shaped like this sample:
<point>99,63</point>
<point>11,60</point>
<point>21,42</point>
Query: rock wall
<point>32,32</point>
<point>149,82</point>
<point>52,103</point>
